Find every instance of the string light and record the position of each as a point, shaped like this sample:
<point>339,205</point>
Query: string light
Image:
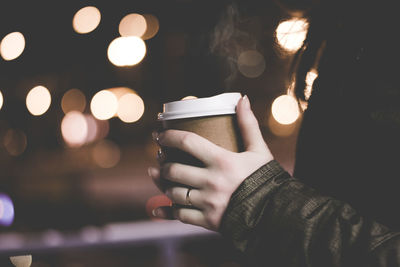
<point>12,46</point>
<point>291,33</point>
<point>1,100</point>
<point>104,105</point>
<point>285,109</point>
<point>38,100</point>
<point>86,19</point>
<point>251,63</point>
<point>126,51</point>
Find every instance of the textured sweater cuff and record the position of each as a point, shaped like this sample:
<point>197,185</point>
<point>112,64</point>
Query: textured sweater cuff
<point>244,209</point>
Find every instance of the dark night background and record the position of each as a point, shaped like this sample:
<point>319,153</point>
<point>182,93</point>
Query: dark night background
<point>57,188</point>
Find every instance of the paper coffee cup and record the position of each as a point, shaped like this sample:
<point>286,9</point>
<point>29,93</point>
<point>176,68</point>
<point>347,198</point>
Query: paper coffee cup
<point>213,118</point>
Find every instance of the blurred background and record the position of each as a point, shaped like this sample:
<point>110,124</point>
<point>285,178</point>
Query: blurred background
<point>81,84</point>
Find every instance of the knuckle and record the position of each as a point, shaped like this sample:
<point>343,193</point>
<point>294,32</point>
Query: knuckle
<point>186,140</point>
<point>181,216</point>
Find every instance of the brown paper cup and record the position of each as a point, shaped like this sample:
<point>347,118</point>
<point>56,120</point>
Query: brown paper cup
<point>213,118</point>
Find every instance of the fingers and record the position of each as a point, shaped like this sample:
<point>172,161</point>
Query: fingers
<point>184,174</point>
<point>249,128</point>
<point>189,142</point>
<point>181,196</point>
<point>185,215</point>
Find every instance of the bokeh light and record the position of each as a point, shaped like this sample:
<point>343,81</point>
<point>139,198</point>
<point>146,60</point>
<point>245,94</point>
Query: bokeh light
<point>132,25</point>
<point>74,129</point>
<point>126,51</point>
<point>251,63</point>
<point>12,46</point>
<point>86,19</point>
<point>310,78</point>
<point>1,100</point>
<point>15,142</point>
<point>291,33</point>
<point>21,261</point>
<point>38,100</point>
<point>155,202</point>
<point>104,105</point>
<point>152,26</point>
<point>285,109</point>
<point>6,210</point>
<point>189,97</point>
<point>106,154</point>
<point>73,99</point>
<point>130,108</point>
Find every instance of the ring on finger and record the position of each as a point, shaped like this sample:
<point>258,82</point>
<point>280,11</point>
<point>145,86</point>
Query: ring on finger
<point>187,201</point>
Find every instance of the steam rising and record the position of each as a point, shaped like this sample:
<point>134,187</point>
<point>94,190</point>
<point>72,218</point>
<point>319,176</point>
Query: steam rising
<point>229,41</point>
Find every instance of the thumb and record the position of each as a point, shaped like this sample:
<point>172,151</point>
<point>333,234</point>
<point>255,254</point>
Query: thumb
<point>249,128</point>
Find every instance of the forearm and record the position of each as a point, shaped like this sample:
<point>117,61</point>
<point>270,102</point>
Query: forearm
<point>276,219</point>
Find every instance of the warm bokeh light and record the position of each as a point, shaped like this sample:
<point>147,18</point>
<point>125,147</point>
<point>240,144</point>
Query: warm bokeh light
<point>1,100</point>
<point>73,99</point>
<point>74,129</point>
<point>152,26</point>
<point>251,63</point>
<point>106,154</point>
<point>132,25</point>
<point>21,261</point>
<point>12,45</point>
<point>126,51</point>
<point>291,33</point>
<point>86,19</point>
<point>278,129</point>
<point>104,105</point>
<point>310,78</point>
<point>15,142</point>
<point>6,210</point>
<point>285,109</point>
<point>92,128</point>
<point>38,100</point>
<point>130,108</point>
<point>155,202</point>
<point>189,97</point>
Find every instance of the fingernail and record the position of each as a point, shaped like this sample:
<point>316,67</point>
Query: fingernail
<point>151,171</point>
<point>246,101</point>
<point>155,212</point>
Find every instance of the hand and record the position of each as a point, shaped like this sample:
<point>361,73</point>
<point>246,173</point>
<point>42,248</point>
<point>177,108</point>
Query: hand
<point>213,185</point>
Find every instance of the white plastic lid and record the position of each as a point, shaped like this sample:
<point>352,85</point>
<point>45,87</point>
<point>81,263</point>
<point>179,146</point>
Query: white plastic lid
<point>207,106</point>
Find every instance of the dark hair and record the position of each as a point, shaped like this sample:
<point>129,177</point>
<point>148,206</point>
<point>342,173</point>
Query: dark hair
<point>308,56</point>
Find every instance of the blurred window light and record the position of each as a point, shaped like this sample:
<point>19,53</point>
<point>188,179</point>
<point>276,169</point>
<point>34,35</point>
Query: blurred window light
<point>73,99</point>
<point>38,100</point>
<point>310,78</point>
<point>132,25</point>
<point>15,142</point>
<point>6,210</point>
<point>152,26</point>
<point>74,129</point>
<point>12,46</point>
<point>21,261</point>
<point>104,105</point>
<point>189,97</point>
<point>291,33</point>
<point>86,19</point>
<point>106,154</point>
<point>285,109</point>
<point>130,108</point>
<point>1,100</point>
<point>126,51</point>
<point>251,63</point>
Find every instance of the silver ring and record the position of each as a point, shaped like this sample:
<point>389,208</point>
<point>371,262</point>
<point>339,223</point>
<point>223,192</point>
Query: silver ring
<point>188,202</point>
